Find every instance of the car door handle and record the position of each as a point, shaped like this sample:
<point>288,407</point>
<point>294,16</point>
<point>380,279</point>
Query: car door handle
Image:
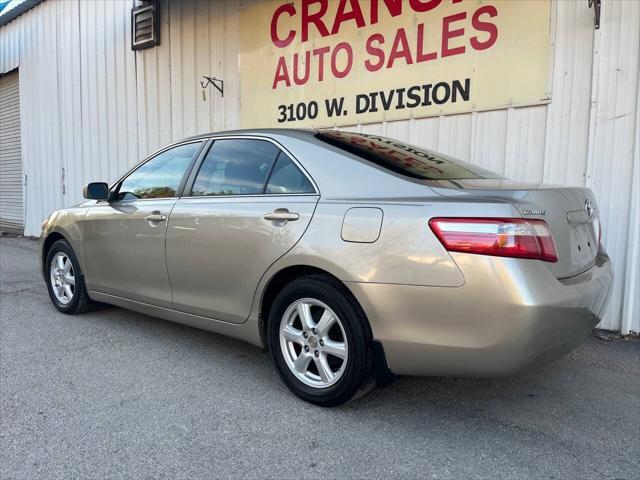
<point>155,217</point>
<point>282,214</point>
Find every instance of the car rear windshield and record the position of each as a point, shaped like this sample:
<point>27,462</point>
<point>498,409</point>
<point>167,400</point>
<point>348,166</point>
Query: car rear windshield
<point>402,158</point>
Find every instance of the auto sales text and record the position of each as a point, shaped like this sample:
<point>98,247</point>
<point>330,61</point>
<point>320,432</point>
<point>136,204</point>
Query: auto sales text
<point>380,52</point>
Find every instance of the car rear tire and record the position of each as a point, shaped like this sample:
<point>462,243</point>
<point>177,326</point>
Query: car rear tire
<point>65,281</point>
<point>320,341</point>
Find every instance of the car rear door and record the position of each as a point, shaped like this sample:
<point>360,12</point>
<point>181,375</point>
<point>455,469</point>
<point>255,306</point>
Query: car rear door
<point>245,206</point>
<point>124,239</point>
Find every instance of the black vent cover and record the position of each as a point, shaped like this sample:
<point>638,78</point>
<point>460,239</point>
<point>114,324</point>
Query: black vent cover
<point>145,26</point>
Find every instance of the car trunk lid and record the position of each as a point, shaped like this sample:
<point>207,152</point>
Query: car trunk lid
<point>570,212</point>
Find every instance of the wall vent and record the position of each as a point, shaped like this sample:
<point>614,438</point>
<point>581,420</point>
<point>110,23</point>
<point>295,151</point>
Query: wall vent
<point>145,25</point>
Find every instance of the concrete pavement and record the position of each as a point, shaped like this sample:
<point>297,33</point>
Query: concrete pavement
<point>116,394</point>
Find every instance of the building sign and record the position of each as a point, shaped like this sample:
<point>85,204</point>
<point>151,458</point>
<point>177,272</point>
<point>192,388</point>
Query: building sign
<point>342,62</point>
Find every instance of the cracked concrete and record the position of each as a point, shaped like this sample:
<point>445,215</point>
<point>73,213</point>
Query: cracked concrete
<point>121,395</point>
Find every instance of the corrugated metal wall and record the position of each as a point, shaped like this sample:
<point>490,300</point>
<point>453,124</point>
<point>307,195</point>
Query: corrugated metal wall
<point>91,108</point>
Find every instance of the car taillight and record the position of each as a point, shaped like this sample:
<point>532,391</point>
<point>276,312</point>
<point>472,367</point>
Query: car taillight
<point>501,237</point>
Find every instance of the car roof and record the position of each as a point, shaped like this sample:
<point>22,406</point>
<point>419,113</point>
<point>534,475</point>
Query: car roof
<point>286,132</point>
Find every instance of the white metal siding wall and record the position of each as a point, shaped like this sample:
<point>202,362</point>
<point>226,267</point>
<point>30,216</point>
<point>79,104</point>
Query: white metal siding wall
<point>11,211</point>
<point>32,42</point>
<point>110,107</point>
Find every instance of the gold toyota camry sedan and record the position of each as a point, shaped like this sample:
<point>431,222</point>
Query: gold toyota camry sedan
<point>351,257</point>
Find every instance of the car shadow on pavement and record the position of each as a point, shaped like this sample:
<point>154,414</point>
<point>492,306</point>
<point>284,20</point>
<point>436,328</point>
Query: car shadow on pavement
<point>563,380</point>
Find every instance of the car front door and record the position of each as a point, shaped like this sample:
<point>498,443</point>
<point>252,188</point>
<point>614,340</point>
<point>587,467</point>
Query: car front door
<point>124,239</point>
<point>248,204</point>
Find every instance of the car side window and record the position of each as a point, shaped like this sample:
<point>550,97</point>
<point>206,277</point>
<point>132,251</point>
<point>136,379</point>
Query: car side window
<point>235,167</point>
<point>160,176</point>
<point>286,177</point>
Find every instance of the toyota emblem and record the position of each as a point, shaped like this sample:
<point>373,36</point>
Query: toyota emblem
<point>588,207</point>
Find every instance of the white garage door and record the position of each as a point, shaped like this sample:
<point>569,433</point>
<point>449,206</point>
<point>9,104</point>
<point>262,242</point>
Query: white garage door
<point>11,210</point>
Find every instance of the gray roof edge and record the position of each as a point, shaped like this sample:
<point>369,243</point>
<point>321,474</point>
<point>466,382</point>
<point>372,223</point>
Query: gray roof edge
<point>18,10</point>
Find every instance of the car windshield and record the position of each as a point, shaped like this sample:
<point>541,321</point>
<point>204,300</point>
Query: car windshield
<point>404,159</point>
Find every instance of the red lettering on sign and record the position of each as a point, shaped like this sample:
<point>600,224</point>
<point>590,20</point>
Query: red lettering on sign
<point>343,16</point>
<point>482,26</point>
<point>334,65</point>
<point>409,44</point>
<point>394,7</point>
<point>375,52</point>
<point>448,34</point>
<point>278,42</point>
<point>298,80</point>
<point>421,56</point>
<point>315,18</point>
<point>400,49</point>
<point>282,74</point>
<point>424,5</point>
<point>320,53</point>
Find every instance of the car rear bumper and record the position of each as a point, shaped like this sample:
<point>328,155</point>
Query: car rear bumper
<point>509,314</point>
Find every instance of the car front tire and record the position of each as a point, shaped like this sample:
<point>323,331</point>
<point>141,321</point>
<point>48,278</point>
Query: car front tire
<point>320,341</point>
<point>65,281</point>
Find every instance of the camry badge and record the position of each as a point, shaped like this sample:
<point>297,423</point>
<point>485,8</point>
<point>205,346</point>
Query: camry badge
<point>534,211</point>
<point>588,207</point>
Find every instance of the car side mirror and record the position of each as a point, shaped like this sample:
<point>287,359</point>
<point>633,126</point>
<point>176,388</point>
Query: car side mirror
<point>96,191</point>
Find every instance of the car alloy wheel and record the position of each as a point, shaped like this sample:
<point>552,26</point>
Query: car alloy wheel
<point>313,343</point>
<point>62,278</point>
